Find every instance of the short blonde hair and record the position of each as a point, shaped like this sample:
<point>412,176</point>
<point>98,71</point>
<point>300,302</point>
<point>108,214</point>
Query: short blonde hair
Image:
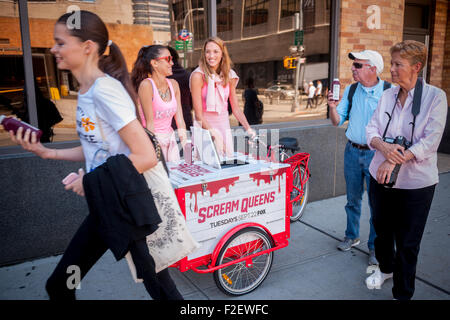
<point>411,50</point>
<point>225,64</point>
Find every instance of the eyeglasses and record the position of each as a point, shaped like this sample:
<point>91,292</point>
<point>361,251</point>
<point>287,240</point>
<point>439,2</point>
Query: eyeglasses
<point>167,58</point>
<point>358,65</point>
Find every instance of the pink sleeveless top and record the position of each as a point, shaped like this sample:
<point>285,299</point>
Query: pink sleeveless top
<point>163,112</point>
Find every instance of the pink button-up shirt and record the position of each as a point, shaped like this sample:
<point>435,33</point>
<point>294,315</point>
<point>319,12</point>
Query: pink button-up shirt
<point>421,171</point>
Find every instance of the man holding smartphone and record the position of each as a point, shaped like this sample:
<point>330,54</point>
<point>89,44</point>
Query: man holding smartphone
<point>357,106</point>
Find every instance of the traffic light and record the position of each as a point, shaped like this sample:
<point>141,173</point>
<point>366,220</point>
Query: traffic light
<point>290,62</point>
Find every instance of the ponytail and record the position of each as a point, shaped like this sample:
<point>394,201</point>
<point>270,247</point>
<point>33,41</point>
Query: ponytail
<point>142,67</point>
<point>115,65</point>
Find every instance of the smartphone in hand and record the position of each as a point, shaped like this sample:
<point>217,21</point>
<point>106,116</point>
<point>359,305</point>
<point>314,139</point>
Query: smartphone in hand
<point>71,177</point>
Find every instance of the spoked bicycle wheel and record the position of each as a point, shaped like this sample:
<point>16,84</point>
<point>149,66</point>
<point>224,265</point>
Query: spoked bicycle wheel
<point>245,276</point>
<point>298,207</point>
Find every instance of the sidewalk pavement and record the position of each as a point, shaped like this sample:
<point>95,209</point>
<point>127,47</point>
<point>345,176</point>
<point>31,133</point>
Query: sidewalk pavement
<point>310,268</point>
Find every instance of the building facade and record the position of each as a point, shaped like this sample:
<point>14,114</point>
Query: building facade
<point>156,14</point>
<point>125,26</point>
<point>259,33</point>
<point>117,14</point>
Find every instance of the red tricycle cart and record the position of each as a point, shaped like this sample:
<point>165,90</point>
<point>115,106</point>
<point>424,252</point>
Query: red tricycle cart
<point>239,215</point>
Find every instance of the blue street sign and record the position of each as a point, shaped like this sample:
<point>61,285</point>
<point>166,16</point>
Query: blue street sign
<point>183,34</point>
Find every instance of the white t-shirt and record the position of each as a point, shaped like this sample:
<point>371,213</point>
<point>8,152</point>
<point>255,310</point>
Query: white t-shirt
<point>319,88</point>
<point>115,109</point>
<point>312,90</point>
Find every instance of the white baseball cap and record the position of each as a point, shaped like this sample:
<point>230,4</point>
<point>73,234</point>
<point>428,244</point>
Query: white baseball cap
<point>374,58</point>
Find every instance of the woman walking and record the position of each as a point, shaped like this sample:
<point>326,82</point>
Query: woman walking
<point>110,134</point>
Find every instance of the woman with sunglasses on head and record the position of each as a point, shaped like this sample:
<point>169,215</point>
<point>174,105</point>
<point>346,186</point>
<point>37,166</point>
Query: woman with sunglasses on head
<point>416,112</point>
<point>159,98</point>
<point>212,84</point>
<point>106,121</point>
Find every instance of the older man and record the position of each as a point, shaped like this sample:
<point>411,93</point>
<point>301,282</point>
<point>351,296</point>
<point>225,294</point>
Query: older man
<point>357,105</point>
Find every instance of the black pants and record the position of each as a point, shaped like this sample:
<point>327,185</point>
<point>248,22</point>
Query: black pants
<point>399,218</point>
<point>87,247</point>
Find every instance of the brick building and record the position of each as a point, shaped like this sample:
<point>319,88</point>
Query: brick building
<point>421,20</point>
<point>119,16</point>
<point>425,21</point>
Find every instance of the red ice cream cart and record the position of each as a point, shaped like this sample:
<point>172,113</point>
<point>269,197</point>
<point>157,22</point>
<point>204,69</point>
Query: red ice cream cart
<point>239,214</point>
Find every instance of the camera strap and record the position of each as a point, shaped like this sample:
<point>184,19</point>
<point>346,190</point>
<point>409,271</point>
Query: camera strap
<point>417,99</point>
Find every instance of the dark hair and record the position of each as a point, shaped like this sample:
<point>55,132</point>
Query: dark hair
<point>142,66</point>
<point>91,27</point>
<point>250,82</point>
<point>174,54</point>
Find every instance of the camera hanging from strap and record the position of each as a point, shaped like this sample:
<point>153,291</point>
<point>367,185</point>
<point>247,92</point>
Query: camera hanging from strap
<point>417,99</point>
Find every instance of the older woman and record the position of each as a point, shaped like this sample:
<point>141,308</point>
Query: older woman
<point>416,111</point>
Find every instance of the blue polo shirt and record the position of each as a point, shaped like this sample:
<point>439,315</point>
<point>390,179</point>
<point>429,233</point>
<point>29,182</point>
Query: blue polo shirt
<point>365,101</point>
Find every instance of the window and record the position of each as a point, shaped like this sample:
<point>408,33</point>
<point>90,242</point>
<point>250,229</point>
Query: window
<point>225,16</point>
<point>178,9</point>
<point>309,15</point>
<point>57,89</point>
<point>195,21</point>
<point>255,12</point>
<point>289,7</point>
<point>198,19</point>
<point>416,16</point>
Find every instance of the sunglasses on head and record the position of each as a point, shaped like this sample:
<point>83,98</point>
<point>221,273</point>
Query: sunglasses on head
<point>167,58</point>
<point>358,65</point>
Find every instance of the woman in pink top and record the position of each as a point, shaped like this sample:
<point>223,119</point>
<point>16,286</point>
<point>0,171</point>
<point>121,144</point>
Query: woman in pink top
<point>400,212</point>
<point>159,98</point>
<point>212,84</point>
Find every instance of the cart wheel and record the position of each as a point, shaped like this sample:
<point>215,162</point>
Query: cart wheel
<point>245,276</point>
<point>298,207</point>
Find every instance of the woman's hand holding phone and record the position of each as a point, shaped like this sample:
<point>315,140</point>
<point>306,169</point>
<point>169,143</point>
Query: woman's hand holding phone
<point>74,182</point>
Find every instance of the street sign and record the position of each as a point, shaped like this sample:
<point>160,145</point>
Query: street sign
<point>183,34</point>
<point>179,45</point>
<point>189,45</point>
<point>298,37</point>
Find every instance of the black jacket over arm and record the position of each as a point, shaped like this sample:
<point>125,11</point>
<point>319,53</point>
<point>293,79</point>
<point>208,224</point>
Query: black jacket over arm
<point>120,198</point>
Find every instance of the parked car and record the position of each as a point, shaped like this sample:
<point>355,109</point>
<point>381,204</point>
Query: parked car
<point>279,91</point>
